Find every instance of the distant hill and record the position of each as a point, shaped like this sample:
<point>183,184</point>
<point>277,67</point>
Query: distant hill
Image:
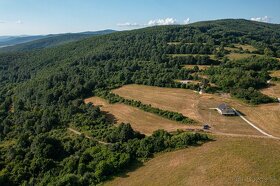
<point>26,43</point>
<point>14,40</point>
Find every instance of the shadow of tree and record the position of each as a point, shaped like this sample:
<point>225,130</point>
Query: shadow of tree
<point>110,117</point>
<point>132,167</point>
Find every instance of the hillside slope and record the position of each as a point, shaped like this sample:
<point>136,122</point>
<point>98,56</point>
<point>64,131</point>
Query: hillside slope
<point>14,40</point>
<point>42,93</point>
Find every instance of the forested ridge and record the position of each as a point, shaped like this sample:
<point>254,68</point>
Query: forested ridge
<point>42,94</point>
<point>46,41</point>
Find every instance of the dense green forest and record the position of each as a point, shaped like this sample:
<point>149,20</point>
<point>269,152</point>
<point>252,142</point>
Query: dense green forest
<point>42,94</point>
<point>244,77</point>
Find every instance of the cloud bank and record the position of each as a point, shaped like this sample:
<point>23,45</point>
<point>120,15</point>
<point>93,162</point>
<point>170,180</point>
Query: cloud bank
<point>167,21</point>
<point>155,22</point>
<point>264,19</point>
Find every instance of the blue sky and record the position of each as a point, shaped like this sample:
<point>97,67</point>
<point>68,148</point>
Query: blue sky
<point>19,17</point>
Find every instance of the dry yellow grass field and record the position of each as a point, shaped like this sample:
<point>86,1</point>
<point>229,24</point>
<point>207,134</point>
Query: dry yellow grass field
<point>237,56</point>
<point>250,48</point>
<point>187,81</point>
<point>174,43</point>
<point>196,106</point>
<point>275,73</point>
<point>273,90</point>
<point>182,55</point>
<point>245,47</point>
<point>231,49</point>
<point>227,161</point>
<point>141,121</point>
<point>178,43</point>
<point>200,67</point>
<point>266,116</point>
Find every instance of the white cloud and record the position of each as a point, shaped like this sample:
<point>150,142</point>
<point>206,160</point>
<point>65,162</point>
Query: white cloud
<point>155,22</point>
<point>127,24</point>
<point>167,21</point>
<point>1,21</point>
<point>265,19</point>
<point>18,22</point>
<point>187,21</point>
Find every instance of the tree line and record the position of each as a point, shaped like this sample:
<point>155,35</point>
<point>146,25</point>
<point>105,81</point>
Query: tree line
<point>175,116</point>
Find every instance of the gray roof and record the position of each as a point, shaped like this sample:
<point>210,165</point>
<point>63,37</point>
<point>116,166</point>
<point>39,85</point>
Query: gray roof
<point>225,109</point>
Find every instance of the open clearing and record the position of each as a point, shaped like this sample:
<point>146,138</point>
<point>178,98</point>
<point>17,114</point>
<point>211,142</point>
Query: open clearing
<point>194,81</point>
<point>200,67</point>
<point>174,43</point>
<point>141,121</point>
<point>237,56</point>
<point>194,55</point>
<point>227,161</point>
<point>197,106</point>
<point>231,49</point>
<point>250,48</point>
<point>273,90</point>
<point>178,43</point>
<point>245,47</point>
<point>275,73</point>
<point>187,81</point>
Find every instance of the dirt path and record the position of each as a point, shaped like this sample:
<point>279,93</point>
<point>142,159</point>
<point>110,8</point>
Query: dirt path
<point>238,135</point>
<point>87,136</point>
<point>254,126</point>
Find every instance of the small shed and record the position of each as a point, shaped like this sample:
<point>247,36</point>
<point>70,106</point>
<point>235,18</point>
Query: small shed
<point>225,110</point>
